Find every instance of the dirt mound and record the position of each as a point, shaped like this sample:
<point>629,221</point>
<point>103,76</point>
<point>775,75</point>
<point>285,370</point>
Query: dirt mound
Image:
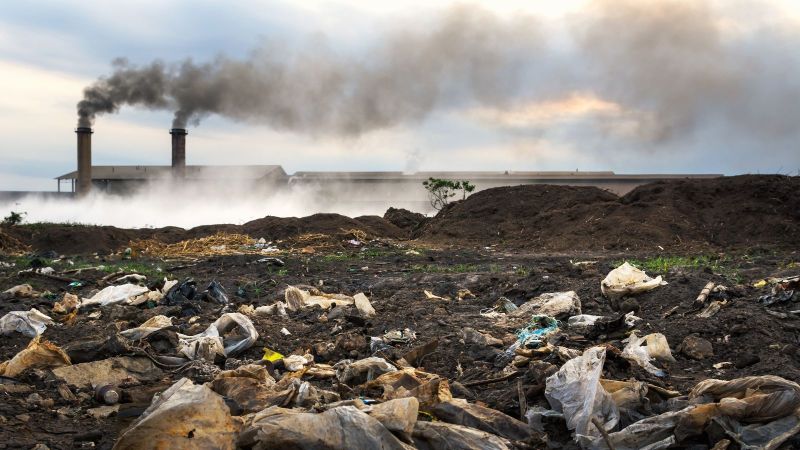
<point>725,212</point>
<point>73,239</point>
<point>273,228</point>
<point>82,239</point>
<point>405,219</point>
<point>10,244</point>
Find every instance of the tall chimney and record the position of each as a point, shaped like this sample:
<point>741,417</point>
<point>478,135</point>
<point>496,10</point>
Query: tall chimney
<point>84,160</point>
<point>178,152</point>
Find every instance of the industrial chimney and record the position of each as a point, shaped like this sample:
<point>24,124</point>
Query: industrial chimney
<point>178,152</point>
<point>84,160</point>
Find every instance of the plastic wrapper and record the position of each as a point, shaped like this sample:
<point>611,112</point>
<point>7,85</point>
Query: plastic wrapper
<point>113,295</point>
<point>645,349</point>
<point>575,391</point>
<point>30,323</point>
<point>342,427</point>
<point>553,304</point>
<point>297,299</point>
<point>37,355</point>
<point>628,280</point>
<point>185,416</point>
<point>219,338</point>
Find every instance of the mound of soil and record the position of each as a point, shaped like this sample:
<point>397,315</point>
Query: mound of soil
<point>724,212</point>
<point>405,219</point>
<point>81,239</point>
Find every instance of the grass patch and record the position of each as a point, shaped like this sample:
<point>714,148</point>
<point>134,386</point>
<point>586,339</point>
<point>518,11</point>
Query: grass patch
<point>663,264</point>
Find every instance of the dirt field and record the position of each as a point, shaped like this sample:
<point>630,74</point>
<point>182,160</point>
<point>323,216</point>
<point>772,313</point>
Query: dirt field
<point>516,243</point>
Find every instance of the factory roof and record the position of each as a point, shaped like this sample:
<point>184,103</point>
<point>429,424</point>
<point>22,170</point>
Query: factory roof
<point>199,172</point>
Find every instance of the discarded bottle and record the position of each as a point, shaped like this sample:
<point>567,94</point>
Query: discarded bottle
<point>107,394</point>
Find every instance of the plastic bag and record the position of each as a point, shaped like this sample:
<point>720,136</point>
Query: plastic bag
<point>37,355</point>
<point>645,349</point>
<point>113,295</point>
<point>149,327</point>
<point>341,427</point>
<point>366,369</point>
<point>30,323</point>
<point>461,412</point>
<point>575,390</point>
<point>628,280</point>
<point>214,341</point>
<point>553,304</point>
<point>182,417</point>
<point>69,303</point>
<point>760,398</point>
<point>298,299</point>
<point>440,435</point>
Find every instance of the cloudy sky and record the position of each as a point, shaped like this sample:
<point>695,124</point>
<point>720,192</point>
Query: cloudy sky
<point>659,86</point>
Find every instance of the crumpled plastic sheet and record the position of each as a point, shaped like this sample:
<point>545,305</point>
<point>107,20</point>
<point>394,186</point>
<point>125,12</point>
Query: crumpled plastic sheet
<point>575,391</point>
<point>37,355</point>
<point>210,343</point>
<point>113,295</point>
<point>341,427</point>
<point>647,348</point>
<point>297,299</point>
<point>366,369</point>
<point>554,304</point>
<point>628,280</point>
<point>149,327</point>
<point>184,416</point>
<point>531,335</point>
<point>758,398</point>
<point>30,323</point>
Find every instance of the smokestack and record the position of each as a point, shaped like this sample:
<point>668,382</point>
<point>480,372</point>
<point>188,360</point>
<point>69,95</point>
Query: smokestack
<point>178,152</point>
<point>84,160</point>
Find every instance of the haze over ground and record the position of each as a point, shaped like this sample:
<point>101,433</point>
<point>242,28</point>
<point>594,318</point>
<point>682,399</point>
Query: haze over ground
<point>678,86</point>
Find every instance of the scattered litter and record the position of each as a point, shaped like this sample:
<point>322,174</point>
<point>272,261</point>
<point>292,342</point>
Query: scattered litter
<point>30,323</point>
<point>431,296</point>
<point>554,304</point>
<point>219,338</point>
<point>113,295</point>
<point>271,355</point>
<point>285,332</point>
<point>297,299</point>
<point>37,355</point>
<point>363,305</point>
<point>111,371</point>
<point>184,416</point>
<point>628,280</point>
<point>646,349</point>
<point>20,291</point>
<point>68,304</point>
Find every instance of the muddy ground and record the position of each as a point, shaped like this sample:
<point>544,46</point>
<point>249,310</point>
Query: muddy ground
<point>451,253</point>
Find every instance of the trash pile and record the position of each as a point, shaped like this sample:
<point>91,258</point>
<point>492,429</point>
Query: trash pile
<point>182,366</point>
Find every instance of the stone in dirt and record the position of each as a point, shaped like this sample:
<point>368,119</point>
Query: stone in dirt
<point>696,347</point>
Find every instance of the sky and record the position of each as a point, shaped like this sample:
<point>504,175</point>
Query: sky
<point>645,86</point>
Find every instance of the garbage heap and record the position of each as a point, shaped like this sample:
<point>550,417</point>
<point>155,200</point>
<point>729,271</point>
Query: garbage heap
<point>214,400</point>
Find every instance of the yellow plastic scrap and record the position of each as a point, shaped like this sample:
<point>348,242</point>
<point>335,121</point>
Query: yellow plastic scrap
<point>271,355</point>
<point>760,284</point>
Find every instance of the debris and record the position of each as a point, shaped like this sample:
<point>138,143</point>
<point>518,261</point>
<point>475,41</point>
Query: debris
<point>217,293</point>
<point>297,299</point>
<point>628,280</point>
<point>285,332</point>
<point>20,291</point>
<point>647,348</point>
<point>555,304</point>
<point>30,323</point>
<point>341,427</point>
<point>230,334</point>
<point>431,296</point>
<point>103,412</point>
<point>363,305</point>
<point>149,327</point>
<point>440,435</point>
<point>701,298</point>
<point>68,304</point>
<point>712,309</point>
<point>184,416</point>
<point>461,412</point>
<point>575,391</point>
<point>276,309</point>
<point>37,355</point>
<point>357,372</point>
<point>107,394</point>
<point>112,371</point>
<point>271,355</point>
<point>113,295</point>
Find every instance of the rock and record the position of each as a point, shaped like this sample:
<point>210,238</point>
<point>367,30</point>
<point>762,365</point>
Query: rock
<point>103,412</point>
<point>472,336</point>
<point>23,417</point>
<point>696,347</point>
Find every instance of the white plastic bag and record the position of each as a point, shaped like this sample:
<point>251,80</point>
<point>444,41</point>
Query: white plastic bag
<point>553,304</point>
<point>645,349</point>
<point>30,323</point>
<point>210,343</point>
<point>575,390</point>
<point>113,295</point>
<point>628,280</point>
